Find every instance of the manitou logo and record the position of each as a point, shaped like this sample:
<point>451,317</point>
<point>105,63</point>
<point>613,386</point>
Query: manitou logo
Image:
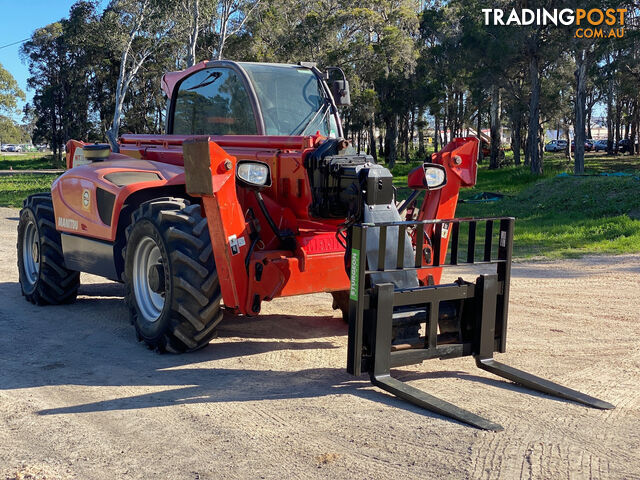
<point>68,223</point>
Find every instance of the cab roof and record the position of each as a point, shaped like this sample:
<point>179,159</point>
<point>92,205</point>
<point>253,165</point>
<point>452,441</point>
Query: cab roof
<point>170,79</point>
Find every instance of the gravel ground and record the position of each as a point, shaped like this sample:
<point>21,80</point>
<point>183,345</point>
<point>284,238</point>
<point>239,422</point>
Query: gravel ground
<point>270,398</point>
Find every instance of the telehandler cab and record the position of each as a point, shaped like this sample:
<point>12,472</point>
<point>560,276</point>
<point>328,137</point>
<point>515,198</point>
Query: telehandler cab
<point>254,194</point>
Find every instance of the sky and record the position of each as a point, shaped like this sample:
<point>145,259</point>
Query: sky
<point>18,20</point>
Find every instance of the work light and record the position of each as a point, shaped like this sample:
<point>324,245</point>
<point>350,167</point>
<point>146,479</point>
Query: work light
<point>254,174</point>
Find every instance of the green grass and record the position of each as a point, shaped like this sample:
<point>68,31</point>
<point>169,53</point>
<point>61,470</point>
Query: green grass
<point>556,217</point>
<point>27,161</point>
<point>560,217</point>
<point>15,188</point>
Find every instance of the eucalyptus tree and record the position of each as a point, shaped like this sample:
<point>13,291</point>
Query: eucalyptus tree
<point>587,52</point>
<point>137,29</point>
<point>10,92</point>
<point>45,54</point>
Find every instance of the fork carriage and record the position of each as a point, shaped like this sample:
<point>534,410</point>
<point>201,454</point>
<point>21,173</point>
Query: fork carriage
<point>471,316</point>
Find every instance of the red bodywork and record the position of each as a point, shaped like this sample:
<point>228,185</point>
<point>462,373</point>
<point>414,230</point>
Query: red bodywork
<point>316,264</point>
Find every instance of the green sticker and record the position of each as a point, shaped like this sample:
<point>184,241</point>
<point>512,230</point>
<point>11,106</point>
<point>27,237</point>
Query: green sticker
<point>355,272</point>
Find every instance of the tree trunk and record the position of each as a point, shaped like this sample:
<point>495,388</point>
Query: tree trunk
<point>224,21</point>
<point>372,142</point>
<point>626,130</point>
<point>634,128</point>
<point>479,133</point>
<point>193,35</point>
<point>409,127</point>
<point>445,120</point>
<point>534,117</point>
<point>112,133</point>
<point>632,135</point>
<point>617,123</point>
<point>402,134</point>
<point>516,138</point>
<point>581,98</point>
<point>610,113</point>
<point>461,115</point>
<point>436,133</point>
<point>391,140</point>
<point>495,127</point>
<point>412,127</point>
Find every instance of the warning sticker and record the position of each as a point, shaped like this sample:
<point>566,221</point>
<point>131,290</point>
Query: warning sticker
<point>233,244</point>
<point>445,230</point>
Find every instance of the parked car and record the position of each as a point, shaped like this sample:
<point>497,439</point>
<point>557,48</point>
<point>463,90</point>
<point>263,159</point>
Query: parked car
<point>588,146</point>
<point>600,145</point>
<point>551,146</point>
<point>624,145</point>
<point>555,146</point>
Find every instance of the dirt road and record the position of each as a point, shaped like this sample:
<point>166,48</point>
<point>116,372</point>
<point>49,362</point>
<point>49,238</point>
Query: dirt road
<point>270,398</point>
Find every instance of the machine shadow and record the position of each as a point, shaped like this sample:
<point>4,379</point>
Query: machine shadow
<point>103,327</point>
<point>104,289</point>
<point>285,326</point>
<point>62,360</point>
<point>231,385</point>
<point>280,326</point>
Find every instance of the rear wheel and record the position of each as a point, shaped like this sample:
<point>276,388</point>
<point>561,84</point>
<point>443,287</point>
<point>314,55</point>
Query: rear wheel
<point>171,281</point>
<point>44,279</point>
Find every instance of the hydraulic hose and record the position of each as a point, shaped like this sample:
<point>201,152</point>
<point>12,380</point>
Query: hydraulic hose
<point>285,237</point>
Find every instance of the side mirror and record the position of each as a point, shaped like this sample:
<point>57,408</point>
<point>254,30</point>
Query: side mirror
<point>340,92</point>
<point>339,88</point>
<point>428,176</point>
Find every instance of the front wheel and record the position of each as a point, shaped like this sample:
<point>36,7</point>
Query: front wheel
<point>171,281</point>
<point>44,279</point>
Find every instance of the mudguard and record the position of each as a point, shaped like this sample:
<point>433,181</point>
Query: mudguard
<point>88,199</point>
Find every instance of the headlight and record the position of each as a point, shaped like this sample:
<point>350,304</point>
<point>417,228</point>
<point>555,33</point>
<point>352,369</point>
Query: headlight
<point>254,174</point>
<point>429,176</point>
<point>435,177</point>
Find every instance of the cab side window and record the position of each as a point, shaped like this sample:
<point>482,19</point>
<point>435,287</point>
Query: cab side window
<point>213,101</point>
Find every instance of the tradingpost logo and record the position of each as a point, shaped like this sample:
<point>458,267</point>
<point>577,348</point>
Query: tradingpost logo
<point>592,23</point>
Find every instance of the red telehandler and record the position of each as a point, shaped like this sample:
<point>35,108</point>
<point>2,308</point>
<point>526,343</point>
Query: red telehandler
<point>254,194</point>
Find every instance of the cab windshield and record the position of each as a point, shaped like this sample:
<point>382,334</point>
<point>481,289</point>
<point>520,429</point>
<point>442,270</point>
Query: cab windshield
<point>292,100</point>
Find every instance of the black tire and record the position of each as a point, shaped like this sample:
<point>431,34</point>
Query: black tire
<point>50,283</point>
<point>187,279</point>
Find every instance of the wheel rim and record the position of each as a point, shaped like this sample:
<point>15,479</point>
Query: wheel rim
<point>31,253</point>
<point>150,303</point>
